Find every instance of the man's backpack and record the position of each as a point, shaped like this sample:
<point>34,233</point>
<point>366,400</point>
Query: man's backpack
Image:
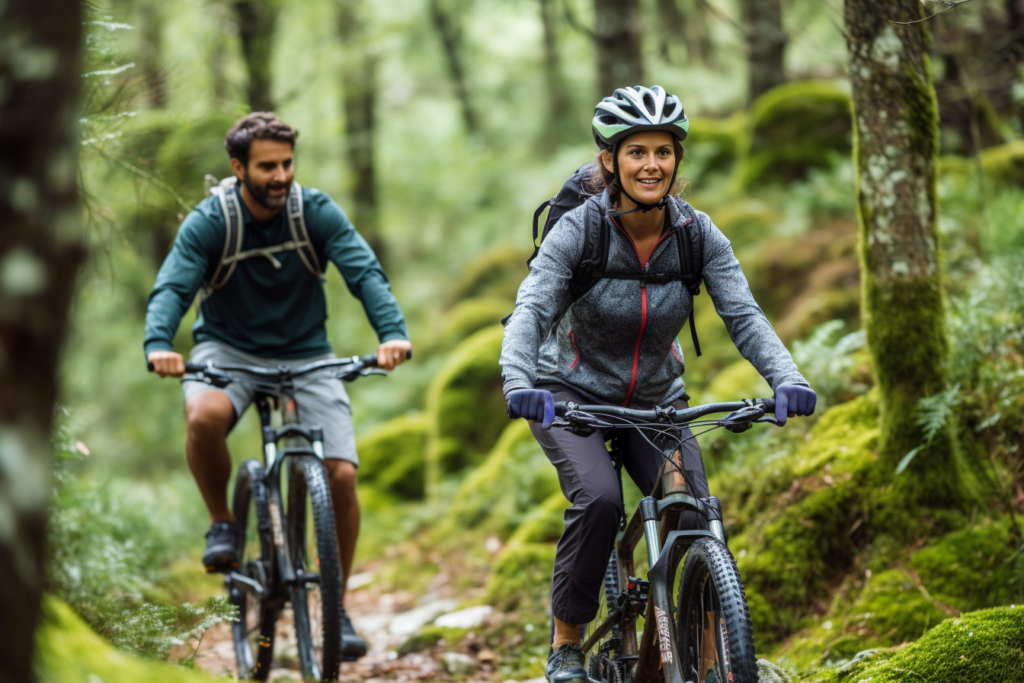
<point>576,192</point>
<point>235,233</point>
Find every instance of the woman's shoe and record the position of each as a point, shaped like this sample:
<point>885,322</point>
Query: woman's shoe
<point>565,665</point>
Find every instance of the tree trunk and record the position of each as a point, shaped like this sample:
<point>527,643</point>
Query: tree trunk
<point>256,22</point>
<point>766,46</point>
<point>560,127</point>
<point>449,29</point>
<point>896,141</point>
<point>40,250</point>
<point>359,75</point>
<point>151,24</point>
<point>617,30</point>
<point>690,25</point>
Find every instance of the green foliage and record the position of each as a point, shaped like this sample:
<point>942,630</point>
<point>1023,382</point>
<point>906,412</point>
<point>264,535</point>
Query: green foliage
<point>794,127</point>
<point>392,456</point>
<point>466,404</point>
<point>521,578</point>
<point>496,273</point>
<point>544,524</point>
<point>826,358</point>
<point>1004,163</point>
<point>711,146</point>
<point>978,646</point>
<point>933,415</point>
<point>505,488</point>
<point>430,636</point>
<point>68,651</point>
<point>153,629</point>
<point>973,568</point>
<point>472,315</point>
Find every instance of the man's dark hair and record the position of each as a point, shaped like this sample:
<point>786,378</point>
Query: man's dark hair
<point>259,125</point>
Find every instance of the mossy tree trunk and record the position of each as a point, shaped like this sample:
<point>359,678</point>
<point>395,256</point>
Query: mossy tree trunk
<point>766,46</point>
<point>40,250</point>
<point>690,23</point>
<point>447,22</point>
<point>257,20</point>
<point>359,86</point>
<point>617,31</point>
<point>896,141</point>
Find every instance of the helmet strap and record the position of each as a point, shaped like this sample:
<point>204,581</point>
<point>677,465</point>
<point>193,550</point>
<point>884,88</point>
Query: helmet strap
<point>640,206</point>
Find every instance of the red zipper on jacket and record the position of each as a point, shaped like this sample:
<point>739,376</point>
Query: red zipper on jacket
<point>643,305</point>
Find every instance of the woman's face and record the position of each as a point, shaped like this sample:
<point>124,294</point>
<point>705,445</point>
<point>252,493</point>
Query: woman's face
<point>646,164</point>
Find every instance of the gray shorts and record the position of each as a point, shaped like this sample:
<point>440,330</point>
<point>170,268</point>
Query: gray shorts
<point>320,398</point>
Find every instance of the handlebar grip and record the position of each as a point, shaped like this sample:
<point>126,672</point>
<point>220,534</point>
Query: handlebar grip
<point>769,404</point>
<point>189,367</point>
<point>560,408</point>
<point>370,359</point>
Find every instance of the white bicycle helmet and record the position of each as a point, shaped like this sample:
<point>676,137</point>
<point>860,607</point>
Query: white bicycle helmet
<point>632,109</point>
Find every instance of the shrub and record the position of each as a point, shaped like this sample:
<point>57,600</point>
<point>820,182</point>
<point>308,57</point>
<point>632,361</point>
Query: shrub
<point>392,457</point>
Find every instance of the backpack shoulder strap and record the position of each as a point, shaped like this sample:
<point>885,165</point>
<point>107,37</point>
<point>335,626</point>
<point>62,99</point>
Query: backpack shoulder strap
<point>300,236</point>
<point>691,259</point>
<point>233,233</point>
<point>536,221</point>
<point>595,250</point>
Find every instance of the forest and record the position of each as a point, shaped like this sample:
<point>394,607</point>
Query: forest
<point>864,159</point>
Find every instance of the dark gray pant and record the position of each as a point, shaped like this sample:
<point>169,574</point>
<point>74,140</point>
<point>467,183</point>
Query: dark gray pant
<point>589,482</point>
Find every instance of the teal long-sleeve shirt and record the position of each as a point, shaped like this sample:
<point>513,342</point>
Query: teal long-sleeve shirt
<point>263,310</point>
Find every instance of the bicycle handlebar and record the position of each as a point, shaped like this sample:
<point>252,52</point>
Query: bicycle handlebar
<point>353,363</point>
<point>666,414</point>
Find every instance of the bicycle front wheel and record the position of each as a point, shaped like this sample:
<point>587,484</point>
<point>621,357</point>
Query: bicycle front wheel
<point>313,549</point>
<point>602,663</point>
<point>715,637</point>
<point>253,632</point>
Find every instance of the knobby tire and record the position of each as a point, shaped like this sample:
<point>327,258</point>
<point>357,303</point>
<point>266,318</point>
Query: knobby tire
<point>599,666</point>
<point>317,606</point>
<point>710,586</point>
<point>253,632</point>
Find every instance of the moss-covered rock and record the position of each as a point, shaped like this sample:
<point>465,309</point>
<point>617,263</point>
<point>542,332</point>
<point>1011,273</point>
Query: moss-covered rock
<point>980,646</point>
<point>1004,163</point>
<point>473,315</point>
<point>496,273</point>
<point>392,456</point>
<point>543,525</point>
<point>430,636</point>
<point>508,486</point>
<point>68,651</point>
<point>521,577</point>
<point>466,404</point>
<point>797,527</point>
<point>792,128</point>
<point>712,145</point>
<point>972,568</point>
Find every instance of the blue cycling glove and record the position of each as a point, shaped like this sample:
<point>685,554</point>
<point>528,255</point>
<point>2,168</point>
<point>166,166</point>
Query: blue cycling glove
<point>792,399</point>
<point>533,404</point>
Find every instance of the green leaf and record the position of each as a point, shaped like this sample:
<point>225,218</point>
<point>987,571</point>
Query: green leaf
<point>906,460</point>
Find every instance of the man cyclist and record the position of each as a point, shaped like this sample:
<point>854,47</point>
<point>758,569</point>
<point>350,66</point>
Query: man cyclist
<point>267,307</point>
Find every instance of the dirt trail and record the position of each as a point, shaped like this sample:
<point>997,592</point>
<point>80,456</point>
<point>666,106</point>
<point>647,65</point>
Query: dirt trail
<point>386,620</point>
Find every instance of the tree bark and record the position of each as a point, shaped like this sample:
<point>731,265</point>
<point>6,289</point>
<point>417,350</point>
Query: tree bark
<point>617,30</point>
<point>689,24</point>
<point>257,20</point>
<point>449,29</point>
<point>766,46</point>
<point>560,127</point>
<point>896,141</point>
<point>359,86</point>
<point>40,250</point>
<point>151,25</point>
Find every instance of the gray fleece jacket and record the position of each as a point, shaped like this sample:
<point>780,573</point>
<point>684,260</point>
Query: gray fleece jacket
<point>617,343</point>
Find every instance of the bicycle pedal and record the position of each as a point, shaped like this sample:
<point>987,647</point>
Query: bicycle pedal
<point>221,568</point>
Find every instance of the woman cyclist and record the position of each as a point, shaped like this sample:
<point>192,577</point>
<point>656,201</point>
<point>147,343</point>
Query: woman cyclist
<point>616,344</point>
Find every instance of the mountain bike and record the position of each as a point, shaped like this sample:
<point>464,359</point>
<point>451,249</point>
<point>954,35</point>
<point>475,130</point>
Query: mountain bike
<point>696,626</point>
<point>289,551</point>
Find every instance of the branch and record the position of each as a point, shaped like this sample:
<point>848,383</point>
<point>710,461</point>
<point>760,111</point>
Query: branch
<point>144,175</point>
<point>918,21</point>
<point>570,19</point>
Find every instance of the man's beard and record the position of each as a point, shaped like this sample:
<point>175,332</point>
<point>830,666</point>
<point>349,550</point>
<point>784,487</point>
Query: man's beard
<point>261,193</point>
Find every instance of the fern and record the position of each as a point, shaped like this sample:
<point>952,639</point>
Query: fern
<point>933,413</point>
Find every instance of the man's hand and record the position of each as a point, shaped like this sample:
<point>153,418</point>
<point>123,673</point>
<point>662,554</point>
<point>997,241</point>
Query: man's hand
<point>167,363</point>
<point>392,353</point>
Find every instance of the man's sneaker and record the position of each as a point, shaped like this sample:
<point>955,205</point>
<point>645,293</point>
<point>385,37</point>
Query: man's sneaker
<point>352,646</point>
<point>565,665</point>
<point>221,547</point>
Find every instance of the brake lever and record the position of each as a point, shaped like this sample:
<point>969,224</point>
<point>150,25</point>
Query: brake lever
<point>768,420</point>
<point>366,372</point>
